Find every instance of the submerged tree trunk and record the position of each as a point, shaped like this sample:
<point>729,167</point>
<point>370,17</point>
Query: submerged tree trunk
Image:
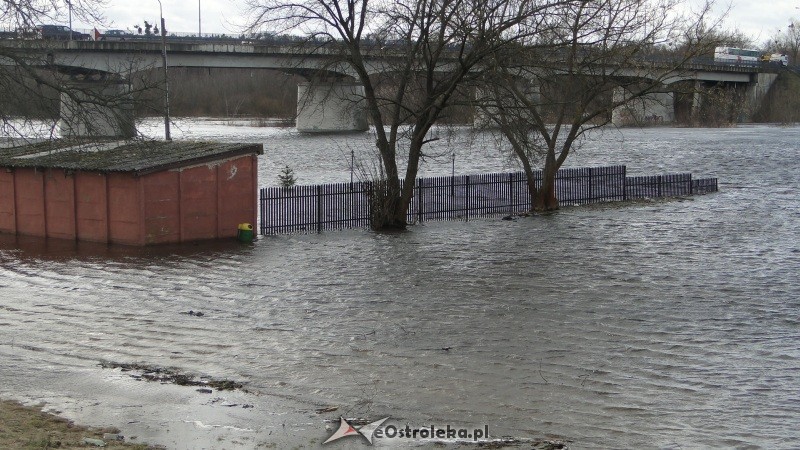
<point>545,197</point>
<point>388,204</point>
<point>384,208</point>
<point>397,198</point>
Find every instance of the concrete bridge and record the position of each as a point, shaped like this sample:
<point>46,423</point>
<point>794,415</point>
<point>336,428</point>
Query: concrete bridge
<point>103,68</point>
<point>754,79</point>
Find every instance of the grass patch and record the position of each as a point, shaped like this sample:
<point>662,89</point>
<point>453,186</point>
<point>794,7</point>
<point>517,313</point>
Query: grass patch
<point>24,427</point>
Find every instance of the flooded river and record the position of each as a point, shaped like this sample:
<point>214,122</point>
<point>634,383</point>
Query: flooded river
<point>668,324</point>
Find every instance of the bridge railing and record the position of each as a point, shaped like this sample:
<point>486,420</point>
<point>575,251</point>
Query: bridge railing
<point>181,36</point>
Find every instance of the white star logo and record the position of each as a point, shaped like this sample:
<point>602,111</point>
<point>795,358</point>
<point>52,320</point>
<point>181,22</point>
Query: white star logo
<point>345,429</point>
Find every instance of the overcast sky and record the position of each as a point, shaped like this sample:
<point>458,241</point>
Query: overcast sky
<point>758,18</point>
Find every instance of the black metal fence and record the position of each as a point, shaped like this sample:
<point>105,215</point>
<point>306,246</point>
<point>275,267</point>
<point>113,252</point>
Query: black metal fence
<point>347,205</point>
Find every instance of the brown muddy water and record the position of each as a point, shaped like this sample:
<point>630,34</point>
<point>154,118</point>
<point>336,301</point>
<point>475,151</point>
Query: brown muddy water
<point>665,324</point>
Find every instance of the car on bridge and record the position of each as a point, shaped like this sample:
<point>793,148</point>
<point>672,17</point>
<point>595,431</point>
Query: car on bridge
<point>117,35</point>
<point>59,32</point>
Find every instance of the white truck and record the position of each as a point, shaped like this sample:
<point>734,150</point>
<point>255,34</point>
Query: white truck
<point>776,57</point>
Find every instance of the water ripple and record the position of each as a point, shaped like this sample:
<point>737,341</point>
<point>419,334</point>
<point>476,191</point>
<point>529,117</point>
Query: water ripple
<point>668,324</point>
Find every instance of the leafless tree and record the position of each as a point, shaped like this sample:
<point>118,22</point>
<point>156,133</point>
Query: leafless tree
<point>786,41</point>
<point>24,15</point>
<point>432,50</point>
<point>32,86</point>
<point>589,58</point>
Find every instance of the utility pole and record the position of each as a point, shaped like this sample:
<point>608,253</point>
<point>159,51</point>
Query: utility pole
<point>166,77</point>
<point>69,5</point>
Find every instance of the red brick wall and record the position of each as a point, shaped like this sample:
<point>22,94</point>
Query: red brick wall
<point>162,207</point>
<point>207,201</point>
<point>125,218</point>
<point>29,201</point>
<point>8,217</point>
<point>237,192</point>
<point>91,203</point>
<point>198,188</point>
<point>60,204</point>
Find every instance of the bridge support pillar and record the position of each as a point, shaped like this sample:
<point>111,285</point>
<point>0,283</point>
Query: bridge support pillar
<point>97,108</point>
<point>697,102</point>
<point>331,107</point>
<point>651,109</point>
<point>757,91</point>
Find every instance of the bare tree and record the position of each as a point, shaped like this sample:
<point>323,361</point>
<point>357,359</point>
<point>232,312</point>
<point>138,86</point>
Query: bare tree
<point>787,42</point>
<point>24,15</point>
<point>35,91</point>
<point>589,58</point>
<point>432,49</point>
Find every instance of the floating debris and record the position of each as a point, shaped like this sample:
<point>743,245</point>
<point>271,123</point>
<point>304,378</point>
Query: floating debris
<point>173,376</point>
<point>95,442</point>
<point>327,409</point>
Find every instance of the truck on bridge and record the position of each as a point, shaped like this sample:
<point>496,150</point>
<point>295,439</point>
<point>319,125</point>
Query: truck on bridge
<point>748,56</point>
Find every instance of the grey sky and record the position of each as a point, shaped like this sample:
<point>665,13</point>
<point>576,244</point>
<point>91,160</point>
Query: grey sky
<point>757,18</point>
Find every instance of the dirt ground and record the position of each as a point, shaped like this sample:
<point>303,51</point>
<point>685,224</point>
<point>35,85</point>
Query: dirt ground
<point>24,427</point>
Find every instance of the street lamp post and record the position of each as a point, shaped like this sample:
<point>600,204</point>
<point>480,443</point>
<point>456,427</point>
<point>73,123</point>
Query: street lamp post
<point>199,22</point>
<point>69,5</point>
<point>166,78</point>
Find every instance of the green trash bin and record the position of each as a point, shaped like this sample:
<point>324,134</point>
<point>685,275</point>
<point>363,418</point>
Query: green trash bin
<point>245,233</point>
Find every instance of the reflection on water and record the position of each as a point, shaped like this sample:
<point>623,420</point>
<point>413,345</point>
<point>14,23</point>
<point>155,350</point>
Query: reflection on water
<point>668,324</point>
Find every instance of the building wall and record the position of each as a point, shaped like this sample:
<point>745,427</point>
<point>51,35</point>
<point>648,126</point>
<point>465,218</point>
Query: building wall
<point>60,204</point>
<point>125,218</point>
<point>162,207</point>
<point>206,201</point>
<point>238,194</point>
<point>29,202</point>
<point>8,217</point>
<point>91,207</point>
<point>199,203</point>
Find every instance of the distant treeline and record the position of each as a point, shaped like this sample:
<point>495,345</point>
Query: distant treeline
<point>192,92</point>
<point>220,93</point>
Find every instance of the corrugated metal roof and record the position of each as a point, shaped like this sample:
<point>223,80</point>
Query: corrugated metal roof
<point>138,156</point>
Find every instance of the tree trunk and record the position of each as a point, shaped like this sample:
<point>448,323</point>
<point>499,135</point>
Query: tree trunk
<point>386,205</point>
<point>397,200</point>
<point>545,197</point>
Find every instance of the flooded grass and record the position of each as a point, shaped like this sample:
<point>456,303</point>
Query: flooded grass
<point>26,427</point>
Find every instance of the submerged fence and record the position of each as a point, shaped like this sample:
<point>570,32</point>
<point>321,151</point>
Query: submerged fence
<point>347,205</point>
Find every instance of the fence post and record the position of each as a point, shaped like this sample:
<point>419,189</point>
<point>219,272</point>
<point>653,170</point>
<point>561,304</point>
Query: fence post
<point>511,191</point>
<point>466,195</point>
<point>691,191</point>
<point>590,185</point>
<point>370,193</point>
<point>419,200</point>
<point>261,208</point>
<point>659,186</point>
<point>319,208</point>
<point>624,183</point>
